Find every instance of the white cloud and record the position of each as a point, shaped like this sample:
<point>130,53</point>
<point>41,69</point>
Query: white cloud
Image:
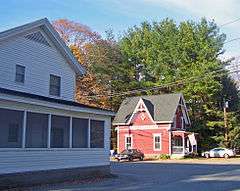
<point>221,11</point>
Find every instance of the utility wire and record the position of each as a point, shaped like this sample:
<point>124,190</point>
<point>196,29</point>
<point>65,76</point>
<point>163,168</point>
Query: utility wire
<point>167,85</point>
<point>230,22</point>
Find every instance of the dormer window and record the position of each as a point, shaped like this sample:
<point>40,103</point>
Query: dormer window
<point>55,85</point>
<point>20,74</point>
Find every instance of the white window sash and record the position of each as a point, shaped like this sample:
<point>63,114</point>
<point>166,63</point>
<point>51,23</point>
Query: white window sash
<point>160,142</point>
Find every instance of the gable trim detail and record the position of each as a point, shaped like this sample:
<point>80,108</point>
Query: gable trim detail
<point>136,110</point>
<point>46,26</point>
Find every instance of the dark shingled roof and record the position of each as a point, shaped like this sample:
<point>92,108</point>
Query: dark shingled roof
<point>48,99</point>
<point>161,107</point>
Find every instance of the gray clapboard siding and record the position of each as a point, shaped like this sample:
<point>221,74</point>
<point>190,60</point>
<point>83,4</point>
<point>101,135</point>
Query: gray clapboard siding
<point>23,161</point>
<point>40,61</point>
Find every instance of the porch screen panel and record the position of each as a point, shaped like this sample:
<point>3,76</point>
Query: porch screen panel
<point>11,125</point>
<point>60,131</point>
<point>37,130</point>
<point>79,133</point>
<point>97,134</point>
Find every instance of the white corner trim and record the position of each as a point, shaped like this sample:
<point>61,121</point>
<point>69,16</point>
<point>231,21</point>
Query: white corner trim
<point>118,136</point>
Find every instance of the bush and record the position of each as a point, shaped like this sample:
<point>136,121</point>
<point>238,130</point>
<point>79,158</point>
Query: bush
<point>163,157</point>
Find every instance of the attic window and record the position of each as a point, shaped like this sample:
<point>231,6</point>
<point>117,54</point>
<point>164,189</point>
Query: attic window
<point>38,37</point>
<point>141,107</point>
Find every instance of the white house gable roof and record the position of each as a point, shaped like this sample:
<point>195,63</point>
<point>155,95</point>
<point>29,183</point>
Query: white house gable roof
<point>37,36</point>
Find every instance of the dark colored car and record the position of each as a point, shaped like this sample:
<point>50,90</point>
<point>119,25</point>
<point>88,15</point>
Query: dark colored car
<point>130,155</point>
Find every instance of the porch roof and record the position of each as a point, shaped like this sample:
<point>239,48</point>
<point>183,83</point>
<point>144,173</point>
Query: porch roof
<point>182,132</point>
<point>54,101</point>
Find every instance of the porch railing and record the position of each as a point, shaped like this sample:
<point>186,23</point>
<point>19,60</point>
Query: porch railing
<point>177,149</point>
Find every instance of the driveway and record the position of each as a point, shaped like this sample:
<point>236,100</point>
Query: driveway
<point>164,176</point>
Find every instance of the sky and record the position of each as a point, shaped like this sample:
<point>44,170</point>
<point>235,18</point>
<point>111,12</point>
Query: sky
<point>119,15</point>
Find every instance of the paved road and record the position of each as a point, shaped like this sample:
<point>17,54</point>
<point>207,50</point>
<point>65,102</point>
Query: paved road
<point>165,176</point>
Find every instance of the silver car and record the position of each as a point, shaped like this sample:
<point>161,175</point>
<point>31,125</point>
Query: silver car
<point>219,152</point>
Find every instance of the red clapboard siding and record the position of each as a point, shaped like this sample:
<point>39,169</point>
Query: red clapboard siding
<point>142,118</point>
<point>144,140</point>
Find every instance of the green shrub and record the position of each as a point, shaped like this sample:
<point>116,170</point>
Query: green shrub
<point>163,157</point>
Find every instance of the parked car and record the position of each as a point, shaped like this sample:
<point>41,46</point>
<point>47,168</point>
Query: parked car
<point>219,152</point>
<point>130,155</point>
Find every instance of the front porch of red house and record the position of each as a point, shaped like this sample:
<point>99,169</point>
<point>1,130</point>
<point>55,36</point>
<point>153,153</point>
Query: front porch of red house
<point>183,143</point>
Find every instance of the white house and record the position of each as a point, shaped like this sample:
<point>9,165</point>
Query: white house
<point>45,135</point>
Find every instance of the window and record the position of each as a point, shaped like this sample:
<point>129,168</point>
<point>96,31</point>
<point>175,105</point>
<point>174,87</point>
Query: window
<point>11,122</point>
<point>55,85</point>
<point>13,133</point>
<point>128,142</point>
<point>157,142</point>
<point>36,130</point>
<point>20,74</point>
<point>177,141</point>
<point>182,123</point>
<point>97,134</point>
<point>79,133</point>
<point>60,131</point>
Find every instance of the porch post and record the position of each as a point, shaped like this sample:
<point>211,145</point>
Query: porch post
<point>196,145</point>
<point>183,141</point>
<point>89,133</point>
<point>70,133</point>
<point>49,130</point>
<point>24,129</point>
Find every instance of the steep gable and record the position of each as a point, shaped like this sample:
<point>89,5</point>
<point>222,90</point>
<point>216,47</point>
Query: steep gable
<point>161,107</point>
<point>141,114</point>
<point>34,31</point>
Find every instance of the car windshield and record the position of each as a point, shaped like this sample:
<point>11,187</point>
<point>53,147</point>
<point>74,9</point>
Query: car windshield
<point>218,149</point>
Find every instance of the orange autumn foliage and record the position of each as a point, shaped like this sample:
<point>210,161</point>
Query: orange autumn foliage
<point>81,41</point>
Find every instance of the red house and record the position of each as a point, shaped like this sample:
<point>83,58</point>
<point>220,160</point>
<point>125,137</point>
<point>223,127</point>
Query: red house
<point>155,125</point>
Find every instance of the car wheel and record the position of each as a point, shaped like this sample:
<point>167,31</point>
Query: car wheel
<point>226,156</point>
<point>118,160</point>
<point>130,159</point>
<point>207,156</point>
<point>141,158</point>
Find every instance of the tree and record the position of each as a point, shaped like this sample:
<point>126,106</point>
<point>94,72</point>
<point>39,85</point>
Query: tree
<point>163,52</point>
<point>91,51</point>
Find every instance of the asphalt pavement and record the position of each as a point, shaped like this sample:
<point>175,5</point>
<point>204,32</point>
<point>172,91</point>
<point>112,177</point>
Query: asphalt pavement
<point>163,176</point>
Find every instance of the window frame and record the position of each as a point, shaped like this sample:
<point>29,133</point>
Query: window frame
<point>90,132</point>
<point>154,142</point>
<point>125,141</point>
<point>54,85</point>
<point>17,73</point>
<point>28,129</point>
